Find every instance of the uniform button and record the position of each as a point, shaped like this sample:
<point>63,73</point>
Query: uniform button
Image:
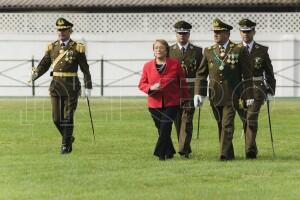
<point>60,69</point>
<point>61,62</point>
<point>221,81</point>
<point>221,74</point>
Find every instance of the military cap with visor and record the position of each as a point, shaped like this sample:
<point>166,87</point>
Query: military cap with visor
<point>218,25</point>
<point>63,24</point>
<point>246,25</point>
<point>182,27</point>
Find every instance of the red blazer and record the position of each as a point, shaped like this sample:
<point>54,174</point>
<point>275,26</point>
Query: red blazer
<point>174,88</point>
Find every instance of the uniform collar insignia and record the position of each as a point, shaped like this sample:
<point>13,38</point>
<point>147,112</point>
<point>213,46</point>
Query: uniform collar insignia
<point>256,46</point>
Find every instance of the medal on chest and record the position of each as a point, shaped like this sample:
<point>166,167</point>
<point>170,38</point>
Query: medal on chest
<point>257,62</point>
<point>183,65</point>
<point>222,55</point>
<point>221,67</point>
<point>69,56</point>
<point>232,59</point>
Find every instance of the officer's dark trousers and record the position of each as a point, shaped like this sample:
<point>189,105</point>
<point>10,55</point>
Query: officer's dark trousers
<point>184,128</point>
<point>184,125</point>
<point>224,116</point>
<point>63,109</point>
<point>163,119</point>
<point>249,117</point>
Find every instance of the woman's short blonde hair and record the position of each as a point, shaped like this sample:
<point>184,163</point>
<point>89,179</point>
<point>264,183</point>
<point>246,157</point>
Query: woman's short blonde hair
<point>163,42</point>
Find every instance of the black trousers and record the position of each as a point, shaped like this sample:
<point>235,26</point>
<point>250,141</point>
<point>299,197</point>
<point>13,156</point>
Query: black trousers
<point>163,119</point>
<point>63,109</point>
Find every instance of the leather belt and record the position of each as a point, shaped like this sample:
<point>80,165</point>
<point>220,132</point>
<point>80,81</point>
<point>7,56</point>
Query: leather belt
<point>190,80</point>
<point>258,78</point>
<point>65,74</point>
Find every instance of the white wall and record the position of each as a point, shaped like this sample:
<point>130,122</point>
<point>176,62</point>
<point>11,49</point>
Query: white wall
<point>284,50</point>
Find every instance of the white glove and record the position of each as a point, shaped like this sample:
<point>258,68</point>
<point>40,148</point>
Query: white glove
<point>34,75</point>
<point>249,102</point>
<point>87,92</point>
<point>269,97</point>
<point>155,87</point>
<point>198,100</point>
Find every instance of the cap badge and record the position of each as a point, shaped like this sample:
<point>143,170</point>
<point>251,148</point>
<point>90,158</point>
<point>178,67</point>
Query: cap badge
<point>215,23</point>
<point>60,22</point>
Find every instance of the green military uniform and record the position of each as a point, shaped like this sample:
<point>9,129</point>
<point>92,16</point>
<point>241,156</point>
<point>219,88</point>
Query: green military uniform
<point>264,83</point>
<point>228,75</point>
<point>65,86</point>
<point>190,60</point>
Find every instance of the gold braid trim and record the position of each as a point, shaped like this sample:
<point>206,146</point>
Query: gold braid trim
<point>80,48</point>
<point>49,47</point>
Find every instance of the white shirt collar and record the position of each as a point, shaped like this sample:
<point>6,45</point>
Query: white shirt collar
<point>250,45</point>
<point>185,46</point>
<point>65,42</point>
<point>225,45</point>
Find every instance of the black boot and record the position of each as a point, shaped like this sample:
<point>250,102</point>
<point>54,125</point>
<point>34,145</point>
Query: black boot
<point>72,140</point>
<point>65,149</point>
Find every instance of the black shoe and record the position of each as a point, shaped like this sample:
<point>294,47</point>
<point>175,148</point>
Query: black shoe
<point>251,155</point>
<point>65,149</point>
<point>72,140</point>
<point>224,158</point>
<point>162,158</point>
<point>169,156</point>
<point>70,148</point>
<point>185,156</point>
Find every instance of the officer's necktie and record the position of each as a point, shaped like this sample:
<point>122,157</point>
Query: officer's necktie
<point>248,48</point>
<point>62,45</point>
<point>182,51</point>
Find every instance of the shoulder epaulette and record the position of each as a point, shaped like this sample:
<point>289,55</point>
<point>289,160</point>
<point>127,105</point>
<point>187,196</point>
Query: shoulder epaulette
<point>80,47</point>
<point>212,47</point>
<point>49,47</point>
<point>231,44</point>
<point>195,46</point>
<point>174,46</point>
<point>257,46</point>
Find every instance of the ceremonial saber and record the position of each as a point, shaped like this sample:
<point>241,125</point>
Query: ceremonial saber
<point>198,130</point>
<point>88,102</point>
<point>270,127</point>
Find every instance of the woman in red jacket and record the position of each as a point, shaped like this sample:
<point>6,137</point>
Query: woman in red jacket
<point>164,81</point>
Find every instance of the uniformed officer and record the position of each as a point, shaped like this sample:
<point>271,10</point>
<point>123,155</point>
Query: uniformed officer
<point>264,84</point>
<point>65,55</point>
<point>226,64</point>
<point>190,57</point>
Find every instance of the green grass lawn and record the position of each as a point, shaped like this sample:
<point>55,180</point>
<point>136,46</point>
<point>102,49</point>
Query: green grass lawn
<point>120,165</point>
